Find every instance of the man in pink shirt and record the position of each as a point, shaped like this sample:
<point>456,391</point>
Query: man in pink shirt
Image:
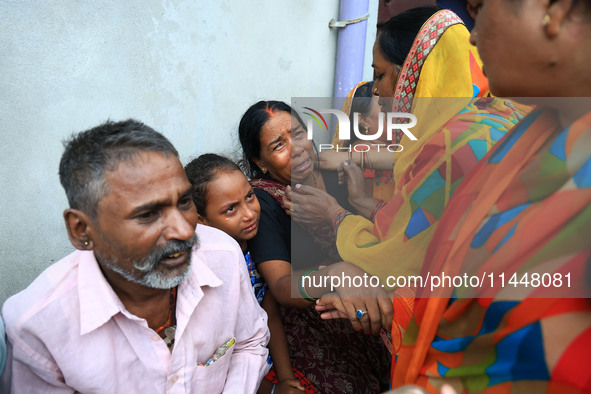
<point>148,303</point>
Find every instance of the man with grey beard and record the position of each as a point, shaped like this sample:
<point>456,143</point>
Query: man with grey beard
<point>148,303</point>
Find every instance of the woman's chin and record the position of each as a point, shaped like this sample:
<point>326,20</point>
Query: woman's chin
<point>304,177</point>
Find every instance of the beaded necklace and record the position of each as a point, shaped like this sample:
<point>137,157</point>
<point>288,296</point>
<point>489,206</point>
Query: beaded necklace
<point>169,327</point>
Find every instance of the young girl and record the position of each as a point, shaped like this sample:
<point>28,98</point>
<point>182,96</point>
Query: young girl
<point>225,200</point>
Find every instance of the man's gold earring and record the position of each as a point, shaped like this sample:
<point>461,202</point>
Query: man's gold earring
<point>547,20</point>
<point>264,170</point>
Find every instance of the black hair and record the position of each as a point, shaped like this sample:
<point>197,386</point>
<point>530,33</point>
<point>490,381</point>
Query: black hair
<point>362,99</point>
<point>360,103</point>
<point>249,132</point>
<point>89,154</point>
<point>203,170</point>
<point>396,36</point>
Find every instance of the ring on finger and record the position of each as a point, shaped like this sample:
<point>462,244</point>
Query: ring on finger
<point>360,313</point>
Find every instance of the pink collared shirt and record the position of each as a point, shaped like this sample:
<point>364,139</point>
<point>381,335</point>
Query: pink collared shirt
<point>68,331</point>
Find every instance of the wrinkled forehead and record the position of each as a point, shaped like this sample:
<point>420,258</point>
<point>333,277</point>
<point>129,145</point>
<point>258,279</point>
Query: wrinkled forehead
<point>147,175</point>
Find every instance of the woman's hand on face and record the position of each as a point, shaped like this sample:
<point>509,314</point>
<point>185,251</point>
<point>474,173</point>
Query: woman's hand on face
<point>330,159</point>
<point>311,205</point>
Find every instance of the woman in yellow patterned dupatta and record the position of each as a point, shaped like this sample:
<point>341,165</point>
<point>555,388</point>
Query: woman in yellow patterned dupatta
<point>453,134</point>
<point>521,219</point>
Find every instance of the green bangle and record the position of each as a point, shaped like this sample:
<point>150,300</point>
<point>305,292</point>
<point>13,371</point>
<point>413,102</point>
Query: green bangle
<point>301,287</point>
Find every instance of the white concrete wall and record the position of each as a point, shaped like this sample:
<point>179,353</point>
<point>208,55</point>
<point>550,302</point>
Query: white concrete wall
<point>188,68</point>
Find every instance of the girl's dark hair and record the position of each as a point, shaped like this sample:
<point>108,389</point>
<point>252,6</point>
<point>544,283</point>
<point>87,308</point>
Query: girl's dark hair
<point>203,170</point>
<point>249,132</point>
<point>361,103</point>
<point>362,100</point>
<point>396,36</point>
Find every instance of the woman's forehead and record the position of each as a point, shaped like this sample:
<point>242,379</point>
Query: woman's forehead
<point>278,124</point>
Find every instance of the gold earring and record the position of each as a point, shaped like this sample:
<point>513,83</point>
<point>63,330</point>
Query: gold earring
<point>366,130</point>
<point>264,170</point>
<point>375,91</point>
<point>85,244</point>
<point>546,21</point>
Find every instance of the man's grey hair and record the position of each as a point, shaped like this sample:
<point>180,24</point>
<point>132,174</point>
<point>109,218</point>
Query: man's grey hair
<point>91,153</point>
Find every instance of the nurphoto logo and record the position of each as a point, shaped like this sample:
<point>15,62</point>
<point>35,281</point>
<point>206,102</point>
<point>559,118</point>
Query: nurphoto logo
<point>393,121</point>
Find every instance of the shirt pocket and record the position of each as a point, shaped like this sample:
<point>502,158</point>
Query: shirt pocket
<point>212,378</point>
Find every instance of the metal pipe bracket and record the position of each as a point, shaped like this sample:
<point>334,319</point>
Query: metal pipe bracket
<point>335,23</point>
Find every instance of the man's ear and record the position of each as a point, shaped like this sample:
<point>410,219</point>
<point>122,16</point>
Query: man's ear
<point>79,228</point>
<point>201,220</point>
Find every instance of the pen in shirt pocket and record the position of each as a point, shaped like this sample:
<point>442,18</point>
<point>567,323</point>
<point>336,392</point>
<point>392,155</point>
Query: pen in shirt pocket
<point>219,353</point>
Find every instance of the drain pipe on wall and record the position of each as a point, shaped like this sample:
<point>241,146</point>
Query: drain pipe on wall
<point>350,45</point>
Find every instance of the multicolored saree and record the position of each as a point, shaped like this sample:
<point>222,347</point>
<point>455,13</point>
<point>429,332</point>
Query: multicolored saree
<point>524,210</point>
<point>454,133</point>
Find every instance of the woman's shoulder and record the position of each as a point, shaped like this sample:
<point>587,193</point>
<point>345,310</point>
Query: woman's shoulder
<point>267,200</point>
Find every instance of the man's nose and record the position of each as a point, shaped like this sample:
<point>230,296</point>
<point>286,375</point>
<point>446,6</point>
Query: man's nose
<point>178,226</point>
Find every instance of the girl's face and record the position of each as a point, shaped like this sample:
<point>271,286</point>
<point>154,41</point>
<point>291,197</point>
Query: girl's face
<point>232,206</point>
<point>372,119</point>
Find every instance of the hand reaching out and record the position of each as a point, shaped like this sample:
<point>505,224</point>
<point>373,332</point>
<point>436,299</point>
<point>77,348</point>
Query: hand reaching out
<point>330,160</point>
<point>311,205</point>
<point>348,302</point>
<point>379,312</point>
<point>351,173</point>
<point>289,386</point>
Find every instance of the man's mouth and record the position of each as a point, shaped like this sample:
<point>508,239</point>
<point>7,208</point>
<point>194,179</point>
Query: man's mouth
<point>173,254</point>
<point>175,259</point>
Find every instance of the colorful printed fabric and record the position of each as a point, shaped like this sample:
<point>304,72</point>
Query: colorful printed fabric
<point>273,188</point>
<point>256,280</point>
<point>425,42</point>
<point>455,132</point>
<point>526,208</point>
<point>395,244</point>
